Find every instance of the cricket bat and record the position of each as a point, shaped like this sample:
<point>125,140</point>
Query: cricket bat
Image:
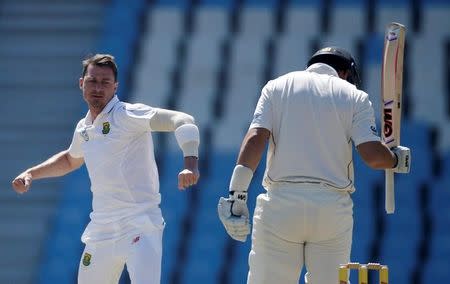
<point>391,97</point>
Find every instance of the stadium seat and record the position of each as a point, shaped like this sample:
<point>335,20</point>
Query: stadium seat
<point>348,17</point>
<point>292,53</point>
<point>427,89</point>
<point>392,11</point>
<point>199,82</point>
<point>303,18</point>
<point>435,18</point>
<point>153,71</point>
<point>212,19</point>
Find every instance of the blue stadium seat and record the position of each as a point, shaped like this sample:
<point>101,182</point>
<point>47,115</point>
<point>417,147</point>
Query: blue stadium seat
<point>207,241</point>
<point>348,17</point>
<point>176,3</point>
<point>225,4</point>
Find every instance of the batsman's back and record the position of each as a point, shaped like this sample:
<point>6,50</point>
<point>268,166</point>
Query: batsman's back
<point>315,116</point>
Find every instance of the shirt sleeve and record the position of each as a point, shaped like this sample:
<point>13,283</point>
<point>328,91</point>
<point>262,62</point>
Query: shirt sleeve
<point>363,123</point>
<point>136,117</point>
<point>263,115</point>
<point>75,149</point>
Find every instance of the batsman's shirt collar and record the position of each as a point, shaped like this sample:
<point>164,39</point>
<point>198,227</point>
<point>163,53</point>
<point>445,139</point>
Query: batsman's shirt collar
<point>106,109</point>
<point>322,68</point>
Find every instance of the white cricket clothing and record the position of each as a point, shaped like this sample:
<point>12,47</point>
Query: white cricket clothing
<point>103,262</point>
<point>117,148</point>
<point>313,116</point>
<point>296,225</point>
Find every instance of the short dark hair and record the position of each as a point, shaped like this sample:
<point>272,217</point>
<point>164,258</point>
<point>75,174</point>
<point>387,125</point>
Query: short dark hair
<point>102,60</point>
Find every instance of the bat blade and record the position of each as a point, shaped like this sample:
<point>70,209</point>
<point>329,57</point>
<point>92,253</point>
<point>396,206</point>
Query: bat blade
<point>392,86</point>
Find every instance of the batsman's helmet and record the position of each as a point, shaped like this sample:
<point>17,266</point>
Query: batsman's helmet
<point>339,59</point>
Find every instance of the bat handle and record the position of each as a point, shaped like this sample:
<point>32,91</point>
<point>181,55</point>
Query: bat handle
<point>390,194</point>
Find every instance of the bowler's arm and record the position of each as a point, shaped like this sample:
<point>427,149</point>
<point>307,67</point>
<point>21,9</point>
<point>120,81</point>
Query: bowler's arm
<point>58,165</point>
<point>188,138</point>
<point>169,120</point>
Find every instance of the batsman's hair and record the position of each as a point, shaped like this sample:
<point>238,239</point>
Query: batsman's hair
<point>102,60</point>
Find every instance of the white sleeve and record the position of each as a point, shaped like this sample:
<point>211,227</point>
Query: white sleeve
<point>363,123</point>
<point>262,117</point>
<point>136,117</point>
<point>75,149</point>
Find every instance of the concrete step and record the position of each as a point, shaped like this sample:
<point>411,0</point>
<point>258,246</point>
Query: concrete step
<point>35,44</point>
<point>86,8</point>
<point>43,23</point>
<point>13,275</point>
<point>31,228</point>
<point>43,192</point>
<point>35,210</point>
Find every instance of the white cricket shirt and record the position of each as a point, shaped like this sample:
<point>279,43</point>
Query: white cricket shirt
<point>313,117</point>
<point>118,151</point>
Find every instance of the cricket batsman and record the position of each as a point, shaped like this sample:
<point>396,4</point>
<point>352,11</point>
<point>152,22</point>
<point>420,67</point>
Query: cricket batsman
<point>310,118</point>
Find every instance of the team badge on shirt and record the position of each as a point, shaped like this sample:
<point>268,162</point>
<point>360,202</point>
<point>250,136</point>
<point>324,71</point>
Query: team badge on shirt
<point>86,259</point>
<point>106,128</point>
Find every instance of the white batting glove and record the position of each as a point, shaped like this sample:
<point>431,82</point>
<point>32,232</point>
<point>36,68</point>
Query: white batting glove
<point>403,155</point>
<point>234,215</point>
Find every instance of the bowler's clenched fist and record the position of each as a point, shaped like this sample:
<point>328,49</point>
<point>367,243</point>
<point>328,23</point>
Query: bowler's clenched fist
<point>22,182</point>
<point>187,178</point>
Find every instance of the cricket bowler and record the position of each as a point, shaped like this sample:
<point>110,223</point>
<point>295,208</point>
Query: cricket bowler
<point>115,142</point>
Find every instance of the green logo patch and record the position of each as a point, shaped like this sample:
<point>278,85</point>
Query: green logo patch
<point>86,259</point>
<point>106,128</point>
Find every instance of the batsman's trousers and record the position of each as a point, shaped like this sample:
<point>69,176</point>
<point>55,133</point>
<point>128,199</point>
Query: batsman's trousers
<point>296,225</point>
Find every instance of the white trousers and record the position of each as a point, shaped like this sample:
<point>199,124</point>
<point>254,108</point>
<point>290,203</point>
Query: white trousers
<point>296,226</point>
<point>103,262</point>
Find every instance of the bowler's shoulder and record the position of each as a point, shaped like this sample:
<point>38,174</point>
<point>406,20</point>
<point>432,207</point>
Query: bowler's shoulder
<point>124,110</point>
<point>125,107</point>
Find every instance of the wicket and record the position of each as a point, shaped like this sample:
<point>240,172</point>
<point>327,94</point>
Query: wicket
<point>363,272</point>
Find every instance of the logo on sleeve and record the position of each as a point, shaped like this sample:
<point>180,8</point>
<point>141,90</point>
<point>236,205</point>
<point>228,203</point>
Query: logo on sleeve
<point>106,128</point>
<point>374,129</point>
<point>86,259</point>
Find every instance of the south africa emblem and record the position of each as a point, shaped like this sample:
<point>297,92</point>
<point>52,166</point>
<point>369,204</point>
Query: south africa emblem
<point>86,259</point>
<point>106,128</point>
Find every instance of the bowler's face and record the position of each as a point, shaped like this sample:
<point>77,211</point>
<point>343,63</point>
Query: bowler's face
<point>98,87</point>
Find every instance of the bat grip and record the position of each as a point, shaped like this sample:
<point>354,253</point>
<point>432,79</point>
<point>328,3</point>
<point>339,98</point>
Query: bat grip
<point>390,195</point>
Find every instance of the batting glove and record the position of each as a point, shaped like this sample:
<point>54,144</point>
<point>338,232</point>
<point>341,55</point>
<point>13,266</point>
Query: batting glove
<point>403,155</point>
<point>234,215</point>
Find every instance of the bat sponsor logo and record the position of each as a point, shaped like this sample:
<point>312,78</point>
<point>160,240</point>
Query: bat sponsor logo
<point>387,118</point>
<point>392,36</point>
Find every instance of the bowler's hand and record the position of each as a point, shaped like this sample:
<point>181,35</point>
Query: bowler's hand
<point>187,178</point>
<point>22,182</point>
